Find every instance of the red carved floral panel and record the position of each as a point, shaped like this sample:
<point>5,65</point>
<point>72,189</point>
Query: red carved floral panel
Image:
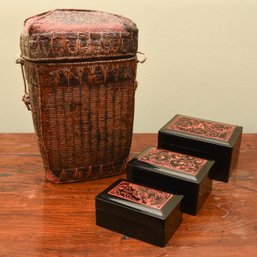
<point>202,128</point>
<point>173,161</point>
<point>139,194</point>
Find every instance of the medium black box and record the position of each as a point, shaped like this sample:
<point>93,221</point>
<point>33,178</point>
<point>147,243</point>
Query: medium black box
<point>140,212</point>
<point>205,139</point>
<point>174,173</point>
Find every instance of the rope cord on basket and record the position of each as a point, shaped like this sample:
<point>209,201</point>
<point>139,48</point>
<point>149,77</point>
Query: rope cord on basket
<point>144,59</point>
<point>140,61</point>
<point>25,97</point>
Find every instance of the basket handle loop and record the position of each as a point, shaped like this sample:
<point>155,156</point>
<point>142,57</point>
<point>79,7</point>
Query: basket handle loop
<point>144,57</point>
<point>25,97</point>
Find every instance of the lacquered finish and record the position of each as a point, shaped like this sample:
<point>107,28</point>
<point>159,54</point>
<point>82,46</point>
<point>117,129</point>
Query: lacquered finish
<point>140,212</point>
<point>205,139</point>
<point>158,168</point>
<point>38,218</point>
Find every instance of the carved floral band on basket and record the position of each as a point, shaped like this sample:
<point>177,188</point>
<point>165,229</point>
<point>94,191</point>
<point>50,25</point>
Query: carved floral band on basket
<point>80,70</point>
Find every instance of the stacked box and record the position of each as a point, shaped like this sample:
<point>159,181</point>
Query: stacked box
<point>138,211</point>
<point>206,139</point>
<point>176,177</point>
<point>174,173</point>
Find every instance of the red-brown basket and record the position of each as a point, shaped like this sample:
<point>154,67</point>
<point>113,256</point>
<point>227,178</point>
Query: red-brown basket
<point>80,69</point>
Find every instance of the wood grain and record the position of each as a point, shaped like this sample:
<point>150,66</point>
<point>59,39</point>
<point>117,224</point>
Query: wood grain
<point>38,218</point>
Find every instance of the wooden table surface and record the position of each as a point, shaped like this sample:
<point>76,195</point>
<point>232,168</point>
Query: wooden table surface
<point>38,218</point>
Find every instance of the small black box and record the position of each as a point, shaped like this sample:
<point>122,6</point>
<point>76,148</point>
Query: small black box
<point>206,139</point>
<point>174,173</point>
<point>140,212</point>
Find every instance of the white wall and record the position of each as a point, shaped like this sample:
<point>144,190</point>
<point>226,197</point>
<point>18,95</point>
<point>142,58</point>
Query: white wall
<point>202,59</point>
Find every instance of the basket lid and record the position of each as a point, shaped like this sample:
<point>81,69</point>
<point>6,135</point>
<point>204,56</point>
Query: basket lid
<point>77,34</point>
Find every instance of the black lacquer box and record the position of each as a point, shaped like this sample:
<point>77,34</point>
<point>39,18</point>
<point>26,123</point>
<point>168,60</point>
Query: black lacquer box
<point>205,139</point>
<point>139,212</point>
<point>174,173</point>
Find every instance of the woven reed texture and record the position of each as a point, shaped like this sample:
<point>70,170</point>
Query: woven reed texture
<point>80,66</point>
<point>78,34</point>
<point>83,116</point>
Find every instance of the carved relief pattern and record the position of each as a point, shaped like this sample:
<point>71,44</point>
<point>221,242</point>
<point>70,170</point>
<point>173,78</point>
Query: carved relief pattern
<point>173,161</point>
<point>80,45</point>
<point>202,128</point>
<point>139,194</point>
<point>91,73</point>
<point>78,34</point>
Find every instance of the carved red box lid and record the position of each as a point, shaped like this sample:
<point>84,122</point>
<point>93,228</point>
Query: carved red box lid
<point>201,128</point>
<point>173,161</point>
<point>141,195</point>
<point>170,163</point>
<point>140,198</point>
<point>78,34</point>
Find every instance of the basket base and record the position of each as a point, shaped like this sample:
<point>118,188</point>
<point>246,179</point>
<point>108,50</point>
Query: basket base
<point>85,174</point>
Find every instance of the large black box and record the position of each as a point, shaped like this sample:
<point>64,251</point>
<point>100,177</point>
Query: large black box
<point>174,173</point>
<point>205,139</point>
<point>138,211</point>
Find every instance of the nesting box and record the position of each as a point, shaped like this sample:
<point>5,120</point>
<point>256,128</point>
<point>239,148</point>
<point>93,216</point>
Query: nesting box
<point>206,139</point>
<point>175,173</point>
<point>137,211</point>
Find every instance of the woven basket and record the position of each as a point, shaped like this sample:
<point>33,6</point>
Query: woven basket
<point>80,70</point>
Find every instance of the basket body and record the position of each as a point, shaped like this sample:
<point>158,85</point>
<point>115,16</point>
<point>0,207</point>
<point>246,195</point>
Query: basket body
<point>82,101</point>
